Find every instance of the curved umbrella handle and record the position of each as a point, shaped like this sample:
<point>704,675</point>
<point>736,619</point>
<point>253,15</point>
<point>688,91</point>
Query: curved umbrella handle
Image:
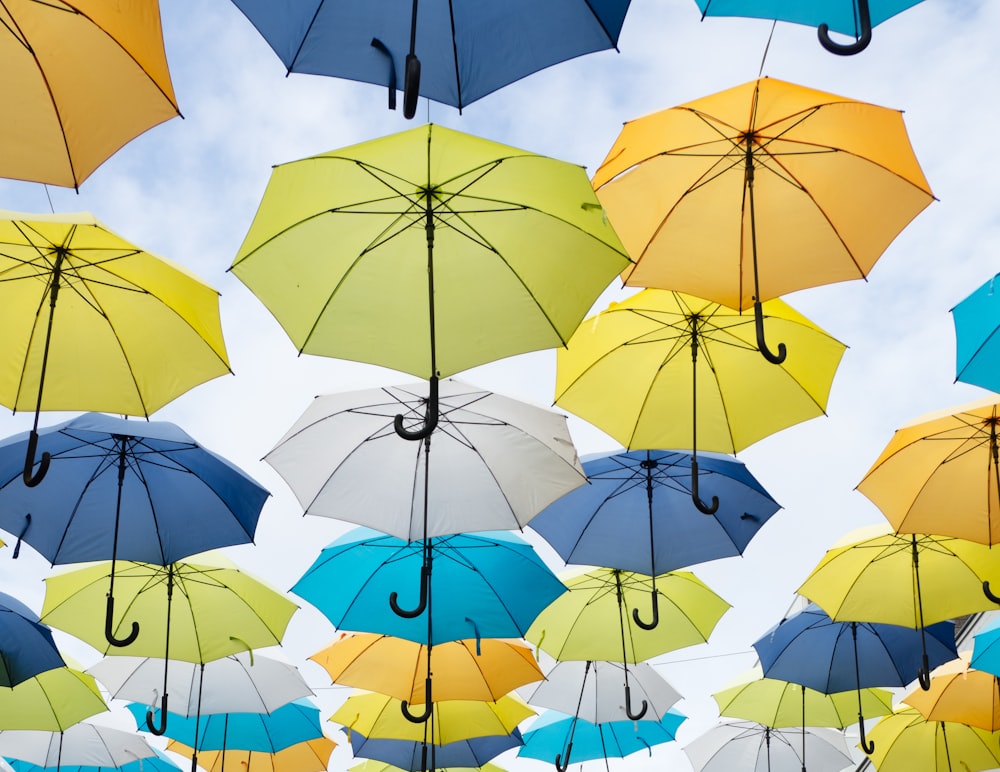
<point>705,509</point>
<point>862,41</point>
<point>162,728</point>
<point>758,318</point>
<point>924,675</point>
<point>868,746</point>
<point>430,417</point>
<point>383,48</point>
<point>411,86</point>
<point>31,480</point>
<point>989,594</point>
<point>428,706</point>
<point>421,602</point>
<point>109,627</point>
<point>563,765</point>
<point>656,614</point>
<point>628,706</point>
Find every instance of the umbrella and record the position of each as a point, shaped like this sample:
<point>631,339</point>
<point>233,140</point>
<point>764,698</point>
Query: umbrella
<point>554,735</point>
<point>811,649</point>
<point>217,610</point>
<point>82,744</point>
<point>81,80</point>
<point>733,746</point>
<point>309,756</point>
<point>758,191</point>
<point>380,766</point>
<point>26,645</point>
<point>463,670</point>
<point>985,652</point>
<point>158,762</point>
<point>907,741</point>
<point>51,701</point>
<point>977,321</point>
<point>129,333</point>
<point>465,51</point>
<point>849,17</point>
<point>414,754</point>
<point>649,351</point>
<point>958,693</point>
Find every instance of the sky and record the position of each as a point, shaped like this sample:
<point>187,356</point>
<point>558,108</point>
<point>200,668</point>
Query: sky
<point>188,190</point>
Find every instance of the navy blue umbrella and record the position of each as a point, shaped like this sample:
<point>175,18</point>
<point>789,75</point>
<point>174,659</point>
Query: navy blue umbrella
<point>413,755</point>
<point>26,645</point>
<point>453,52</point>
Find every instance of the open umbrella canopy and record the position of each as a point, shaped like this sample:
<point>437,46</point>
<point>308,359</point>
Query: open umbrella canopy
<point>26,645</point>
<point>159,762</point>
<point>51,701</point>
<point>743,746</point>
<point>492,585</point>
<point>959,693</point>
<point>977,344</point>
<point>906,741</point>
<point>308,756</point>
<point>371,765</point>
<point>986,648</point>
<point>82,744</point>
<point>82,78</point>
<point>414,755</point>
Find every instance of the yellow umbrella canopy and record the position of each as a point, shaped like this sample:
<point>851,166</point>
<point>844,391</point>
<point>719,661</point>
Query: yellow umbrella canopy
<point>462,670</point>
<point>308,756</point>
<point>52,701</point>
<point>941,474</point>
<point>81,78</point>
<point>908,742</point>
<point>960,693</point>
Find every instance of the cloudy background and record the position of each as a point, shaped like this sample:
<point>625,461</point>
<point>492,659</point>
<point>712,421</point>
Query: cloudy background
<point>188,189</point>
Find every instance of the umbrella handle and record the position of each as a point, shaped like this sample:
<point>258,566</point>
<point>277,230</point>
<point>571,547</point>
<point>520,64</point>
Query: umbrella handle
<point>628,706</point>
<point>430,418</point>
<point>859,45</point>
<point>20,536</point>
<point>381,47</point>
<point>561,765</point>
<point>656,614</point>
<point>924,675</point>
<point>428,706</point>
<point>758,318</point>
<point>868,746</point>
<point>31,480</point>
<point>411,86</point>
<point>162,728</point>
<point>705,509</point>
<point>109,627</point>
<point>988,594</point>
<point>421,603</point>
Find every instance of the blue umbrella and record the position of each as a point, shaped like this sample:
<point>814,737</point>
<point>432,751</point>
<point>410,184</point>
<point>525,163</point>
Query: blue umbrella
<point>849,17</point>
<point>986,649</point>
<point>177,497</point>
<point>157,763</point>
<point>810,649</point>
<point>554,735</point>
<point>413,755</point>
<point>977,349</point>
<point>454,52</point>
<point>26,645</point>
<point>293,723</point>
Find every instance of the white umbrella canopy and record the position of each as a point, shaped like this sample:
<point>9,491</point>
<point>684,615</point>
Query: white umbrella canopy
<point>598,688</point>
<point>83,744</point>
<point>743,746</point>
<point>344,459</point>
<point>239,683</point>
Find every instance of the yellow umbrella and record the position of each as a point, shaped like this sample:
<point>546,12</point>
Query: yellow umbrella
<point>380,716</point>
<point>81,79</point>
<point>308,756</point>
<point>960,693</point>
<point>907,742</point>
<point>463,670</point>
<point>760,190</point>
<point>52,701</point>
<point>93,322</point>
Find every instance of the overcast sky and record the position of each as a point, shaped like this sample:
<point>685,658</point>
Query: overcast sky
<point>188,190</point>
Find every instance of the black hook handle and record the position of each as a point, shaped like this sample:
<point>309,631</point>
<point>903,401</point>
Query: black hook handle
<point>990,595</point>
<point>562,766</point>
<point>705,509</point>
<point>421,602</point>
<point>109,627</point>
<point>31,480</point>
<point>862,41</point>
<point>656,614</point>
<point>20,536</point>
<point>411,86</point>
<point>758,318</point>
<point>428,706</point>
<point>383,48</point>
<point>924,675</point>
<point>430,417</point>
<point>628,706</point>
<point>868,746</point>
<point>162,727</point>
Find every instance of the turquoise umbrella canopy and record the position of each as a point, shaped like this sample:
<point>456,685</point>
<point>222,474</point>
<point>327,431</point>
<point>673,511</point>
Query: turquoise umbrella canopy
<point>977,336</point>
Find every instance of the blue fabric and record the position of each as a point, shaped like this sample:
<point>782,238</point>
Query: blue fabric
<point>549,736</point>
<point>491,584</point>
<point>177,497</point>
<point>26,645</point>
<point>607,523</point>
<point>977,342</point>
<point>839,15</point>
<point>293,723</point>
<point>986,649</point>
<point>494,43</point>
<point>809,648</point>
<point>158,763</point>
<point>409,754</point>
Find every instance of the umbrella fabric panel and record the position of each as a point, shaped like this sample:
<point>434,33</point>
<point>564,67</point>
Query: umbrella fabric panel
<point>838,16</point>
<point>156,763</point>
<point>977,345</point>
<point>82,744</point>
<point>742,745</point>
<point>549,734</point>
<point>409,754</point>
<point>308,756</point>
<point>51,701</point>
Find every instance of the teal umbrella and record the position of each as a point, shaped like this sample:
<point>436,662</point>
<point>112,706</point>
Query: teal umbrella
<point>977,336</point>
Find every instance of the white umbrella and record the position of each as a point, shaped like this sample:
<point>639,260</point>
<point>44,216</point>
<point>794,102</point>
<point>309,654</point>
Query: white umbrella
<point>595,691</point>
<point>83,744</point>
<point>743,746</point>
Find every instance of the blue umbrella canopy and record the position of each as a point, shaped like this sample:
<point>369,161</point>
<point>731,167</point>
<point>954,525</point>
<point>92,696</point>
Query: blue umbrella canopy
<point>414,756</point>
<point>644,497</point>
<point>489,584</point>
<point>977,336</point>
<point>26,645</point>
<point>986,649</point>
<point>159,762</point>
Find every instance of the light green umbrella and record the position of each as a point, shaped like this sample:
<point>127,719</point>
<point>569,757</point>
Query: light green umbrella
<point>51,701</point>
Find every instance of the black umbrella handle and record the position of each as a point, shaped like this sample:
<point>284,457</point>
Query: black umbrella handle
<point>378,45</point>
<point>924,674</point>
<point>161,728</point>
<point>705,509</point>
<point>758,318</point>
<point>989,594</point>
<point>868,746</point>
<point>33,479</point>
<point>421,602</point>
<point>109,626</point>
<point>862,41</point>
<point>656,614</point>
<point>628,706</point>
<point>420,718</point>
<point>430,417</point>
<point>563,764</point>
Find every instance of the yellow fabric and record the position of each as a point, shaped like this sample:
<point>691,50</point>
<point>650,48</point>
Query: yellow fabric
<point>907,742</point>
<point>835,180</point>
<point>628,371</point>
<point>587,621</point>
<point>778,704</point>
<point>380,716</point>
<point>131,331</point>
<point>869,577</point>
<point>52,701</point>
<point>960,693</point>
<point>338,251</point>
<point>308,756</point>
<point>938,474</point>
<point>398,667</point>
<point>94,78</point>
